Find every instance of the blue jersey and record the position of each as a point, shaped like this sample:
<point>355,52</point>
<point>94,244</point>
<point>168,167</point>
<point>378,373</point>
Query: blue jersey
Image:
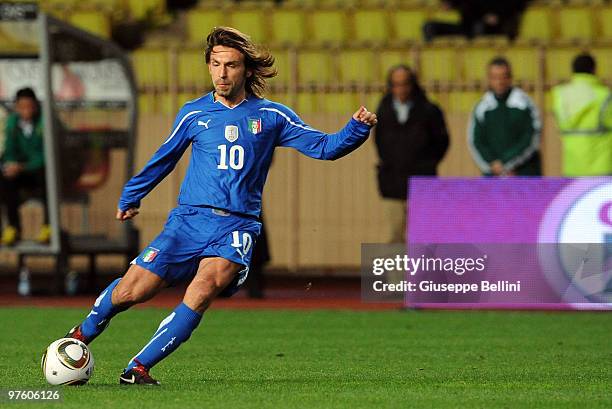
<point>232,150</point>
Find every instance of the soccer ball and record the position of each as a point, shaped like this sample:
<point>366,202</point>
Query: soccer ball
<point>67,361</point>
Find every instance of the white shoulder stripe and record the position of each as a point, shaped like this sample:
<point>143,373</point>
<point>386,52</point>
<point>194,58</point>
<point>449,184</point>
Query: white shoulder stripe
<point>179,125</point>
<point>284,115</point>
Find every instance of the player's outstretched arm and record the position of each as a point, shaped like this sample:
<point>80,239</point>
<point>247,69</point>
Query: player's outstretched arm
<point>319,145</point>
<point>128,214</point>
<point>364,116</point>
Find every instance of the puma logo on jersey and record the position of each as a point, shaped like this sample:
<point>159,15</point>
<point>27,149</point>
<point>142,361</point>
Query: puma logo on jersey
<point>202,123</point>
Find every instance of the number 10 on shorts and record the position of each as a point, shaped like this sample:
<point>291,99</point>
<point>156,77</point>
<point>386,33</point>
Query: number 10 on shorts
<point>246,243</point>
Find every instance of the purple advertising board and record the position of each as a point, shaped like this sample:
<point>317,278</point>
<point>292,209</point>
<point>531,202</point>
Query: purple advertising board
<point>535,243</point>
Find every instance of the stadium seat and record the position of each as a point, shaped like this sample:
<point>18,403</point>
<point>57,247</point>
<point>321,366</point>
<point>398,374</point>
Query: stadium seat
<point>60,4</point>
<point>372,100</point>
<point>143,9</point>
<point>200,22</point>
<point>251,22</point>
<point>408,25</point>
<point>282,98</point>
<point>288,26</point>
<point>330,3</point>
<point>146,103</point>
<point>536,25</point>
<point>389,59</point>
<point>214,4</point>
<point>603,58</point>
<point>575,24</point>
<point>463,101</point>
<point>445,16</point>
<point>375,3</point>
<point>117,7</point>
<point>306,103</point>
<point>439,65</point>
<point>95,22</point>
<point>282,64</point>
<point>151,67</point>
<point>559,64</point>
<point>605,16</point>
<point>475,61</point>
<point>341,103</point>
<point>300,3</point>
<point>192,70</point>
<point>495,41</point>
<point>356,66</point>
<point>184,97</point>
<point>314,67</point>
<point>525,63</point>
<point>371,26</point>
<point>328,27</point>
<point>166,104</point>
<point>438,99</point>
<point>548,101</point>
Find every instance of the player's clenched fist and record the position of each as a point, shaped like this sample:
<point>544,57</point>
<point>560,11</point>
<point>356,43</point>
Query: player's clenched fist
<point>365,116</point>
<point>126,215</point>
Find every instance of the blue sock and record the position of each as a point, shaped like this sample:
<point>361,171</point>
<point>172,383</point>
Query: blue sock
<point>101,313</point>
<point>175,329</point>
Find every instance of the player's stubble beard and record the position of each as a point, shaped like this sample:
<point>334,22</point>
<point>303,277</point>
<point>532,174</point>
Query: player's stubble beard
<point>231,93</point>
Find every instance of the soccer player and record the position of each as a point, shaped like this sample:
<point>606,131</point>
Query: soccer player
<point>208,238</point>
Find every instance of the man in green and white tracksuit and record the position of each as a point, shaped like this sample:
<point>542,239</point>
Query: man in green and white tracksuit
<point>583,110</point>
<point>504,129</point>
<point>23,165</point>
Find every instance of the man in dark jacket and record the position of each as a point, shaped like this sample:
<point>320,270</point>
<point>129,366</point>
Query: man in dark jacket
<point>23,163</point>
<point>411,139</point>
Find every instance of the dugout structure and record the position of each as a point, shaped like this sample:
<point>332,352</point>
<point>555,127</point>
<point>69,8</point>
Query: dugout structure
<point>88,100</point>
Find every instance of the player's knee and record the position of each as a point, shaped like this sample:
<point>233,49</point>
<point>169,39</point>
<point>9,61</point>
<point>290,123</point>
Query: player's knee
<point>200,296</point>
<point>125,296</point>
<point>205,293</point>
<point>137,286</point>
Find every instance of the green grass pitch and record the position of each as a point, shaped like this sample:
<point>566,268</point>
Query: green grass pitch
<point>333,359</point>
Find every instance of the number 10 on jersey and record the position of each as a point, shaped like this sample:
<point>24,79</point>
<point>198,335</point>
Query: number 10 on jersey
<point>236,157</point>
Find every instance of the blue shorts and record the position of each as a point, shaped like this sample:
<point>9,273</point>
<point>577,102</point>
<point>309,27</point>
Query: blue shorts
<point>193,233</point>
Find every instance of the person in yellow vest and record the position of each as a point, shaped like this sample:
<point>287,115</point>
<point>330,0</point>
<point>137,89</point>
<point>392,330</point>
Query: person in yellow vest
<point>583,110</point>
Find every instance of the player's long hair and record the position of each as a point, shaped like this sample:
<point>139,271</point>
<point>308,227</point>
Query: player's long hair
<point>257,59</point>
